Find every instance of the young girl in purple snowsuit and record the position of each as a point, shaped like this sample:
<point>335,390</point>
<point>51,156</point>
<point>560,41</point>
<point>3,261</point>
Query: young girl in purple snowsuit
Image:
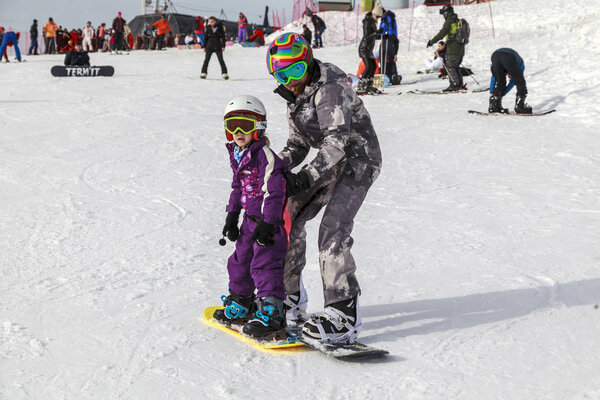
<point>261,241</point>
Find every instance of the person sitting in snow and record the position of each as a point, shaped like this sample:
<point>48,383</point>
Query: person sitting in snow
<point>505,62</point>
<point>261,241</point>
<point>258,37</point>
<point>77,57</point>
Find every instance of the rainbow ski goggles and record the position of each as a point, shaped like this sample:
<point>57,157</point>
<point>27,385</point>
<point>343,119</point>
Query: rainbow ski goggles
<point>294,72</point>
<point>244,125</point>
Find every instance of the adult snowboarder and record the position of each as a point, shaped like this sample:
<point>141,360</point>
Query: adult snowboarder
<point>389,45</point>
<point>507,61</point>
<point>9,39</point>
<point>365,52</point>
<point>77,57</point>
<point>455,50</point>
<point>320,27</point>
<point>215,43</point>
<point>326,114</point>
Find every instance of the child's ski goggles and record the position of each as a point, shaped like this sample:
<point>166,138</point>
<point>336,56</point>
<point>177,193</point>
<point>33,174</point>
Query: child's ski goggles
<point>244,125</point>
<point>294,72</point>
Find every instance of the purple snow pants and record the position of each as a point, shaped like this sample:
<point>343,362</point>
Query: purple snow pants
<point>255,267</point>
<point>242,34</point>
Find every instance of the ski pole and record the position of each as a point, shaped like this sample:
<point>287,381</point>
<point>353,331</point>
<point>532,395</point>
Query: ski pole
<point>449,76</point>
<point>472,76</point>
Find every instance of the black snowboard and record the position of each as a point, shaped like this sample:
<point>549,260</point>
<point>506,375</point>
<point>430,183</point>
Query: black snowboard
<point>509,114</point>
<point>100,70</point>
<point>348,352</point>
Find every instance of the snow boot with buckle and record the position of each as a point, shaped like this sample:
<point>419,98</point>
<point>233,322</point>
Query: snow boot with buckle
<point>237,309</point>
<point>339,323</point>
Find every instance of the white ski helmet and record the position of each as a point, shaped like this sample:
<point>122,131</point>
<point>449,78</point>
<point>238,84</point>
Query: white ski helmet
<point>247,104</point>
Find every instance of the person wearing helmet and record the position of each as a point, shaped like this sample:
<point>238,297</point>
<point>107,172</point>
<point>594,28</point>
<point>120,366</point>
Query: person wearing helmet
<point>323,113</point>
<point>505,62</point>
<point>261,241</point>
<point>9,39</point>
<point>455,50</point>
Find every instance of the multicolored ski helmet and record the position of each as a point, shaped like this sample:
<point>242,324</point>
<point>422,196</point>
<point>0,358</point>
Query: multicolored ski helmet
<point>286,50</point>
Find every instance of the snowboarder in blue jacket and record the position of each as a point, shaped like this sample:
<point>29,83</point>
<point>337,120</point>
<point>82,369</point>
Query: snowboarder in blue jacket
<point>505,62</point>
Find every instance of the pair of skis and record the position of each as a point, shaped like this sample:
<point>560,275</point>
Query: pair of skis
<point>292,341</point>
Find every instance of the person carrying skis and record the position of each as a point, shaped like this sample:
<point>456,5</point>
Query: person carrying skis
<point>507,61</point>
<point>215,43</point>
<point>365,52</point>
<point>77,56</point>
<point>323,113</point>
<point>455,50</point>
<point>9,39</point>
<point>261,241</point>
<point>389,45</point>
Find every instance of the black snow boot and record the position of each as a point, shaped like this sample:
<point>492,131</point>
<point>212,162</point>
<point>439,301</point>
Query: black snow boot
<point>496,105</point>
<point>371,89</point>
<point>521,107</point>
<point>237,309</point>
<point>362,87</point>
<point>268,321</point>
<point>396,79</point>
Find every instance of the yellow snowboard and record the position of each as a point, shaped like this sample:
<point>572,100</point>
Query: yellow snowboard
<point>290,343</point>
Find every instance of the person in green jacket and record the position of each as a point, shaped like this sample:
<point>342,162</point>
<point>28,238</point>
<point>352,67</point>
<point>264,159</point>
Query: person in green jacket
<point>455,51</point>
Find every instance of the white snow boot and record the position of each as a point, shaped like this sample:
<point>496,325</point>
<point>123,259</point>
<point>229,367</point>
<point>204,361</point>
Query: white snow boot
<point>339,323</point>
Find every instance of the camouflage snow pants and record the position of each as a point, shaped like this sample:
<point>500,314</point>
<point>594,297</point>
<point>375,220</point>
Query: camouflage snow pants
<point>342,194</point>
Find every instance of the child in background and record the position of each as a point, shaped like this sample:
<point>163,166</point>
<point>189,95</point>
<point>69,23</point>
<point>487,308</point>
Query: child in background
<point>261,241</point>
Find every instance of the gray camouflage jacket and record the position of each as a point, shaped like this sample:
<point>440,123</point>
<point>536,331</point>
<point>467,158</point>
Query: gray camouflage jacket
<point>330,117</point>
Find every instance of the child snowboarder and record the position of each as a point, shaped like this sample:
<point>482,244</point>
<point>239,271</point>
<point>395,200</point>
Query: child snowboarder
<point>261,241</point>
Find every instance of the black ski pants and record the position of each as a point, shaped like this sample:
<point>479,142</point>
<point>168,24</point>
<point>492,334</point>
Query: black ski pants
<point>506,64</point>
<point>209,53</point>
<point>453,62</point>
<point>370,66</point>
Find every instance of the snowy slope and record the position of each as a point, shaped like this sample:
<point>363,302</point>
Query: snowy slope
<point>478,247</point>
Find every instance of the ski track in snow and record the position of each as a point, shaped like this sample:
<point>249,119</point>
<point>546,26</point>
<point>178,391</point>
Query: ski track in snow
<point>477,248</point>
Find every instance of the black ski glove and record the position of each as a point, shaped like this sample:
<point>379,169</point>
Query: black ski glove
<point>429,44</point>
<point>231,229</point>
<point>263,234</point>
<point>296,183</point>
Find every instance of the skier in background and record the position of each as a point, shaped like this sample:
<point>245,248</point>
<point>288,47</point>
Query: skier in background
<point>389,45</point>
<point>323,113</point>
<point>199,30</point>
<point>306,34</point>
<point>507,61</point>
<point>50,30</point>
<point>242,28</point>
<point>319,26</point>
<point>88,36</point>
<point>261,241</point>
<point>455,50</point>
<point>215,43</point>
<point>9,38</point>
<point>162,26</point>
<point>365,52</point>
<point>33,33</point>
<point>118,33</point>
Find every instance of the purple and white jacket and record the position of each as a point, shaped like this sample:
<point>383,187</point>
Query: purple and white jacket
<point>258,183</point>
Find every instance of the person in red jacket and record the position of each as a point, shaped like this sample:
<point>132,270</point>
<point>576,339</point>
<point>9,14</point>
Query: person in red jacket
<point>162,26</point>
<point>258,37</point>
<point>9,38</point>
<point>199,30</point>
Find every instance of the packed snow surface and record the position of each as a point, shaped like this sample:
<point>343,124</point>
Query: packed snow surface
<point>478,248</point>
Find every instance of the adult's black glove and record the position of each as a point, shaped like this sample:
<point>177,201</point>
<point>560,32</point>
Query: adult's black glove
<point>296,183</point>
<point>263,234</point>
<point>231,229</point>
<point>429,44</point>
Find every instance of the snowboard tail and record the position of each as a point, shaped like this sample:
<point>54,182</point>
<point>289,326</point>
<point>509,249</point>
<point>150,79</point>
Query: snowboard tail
<point>65,71</point>
<point>346,351</point>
